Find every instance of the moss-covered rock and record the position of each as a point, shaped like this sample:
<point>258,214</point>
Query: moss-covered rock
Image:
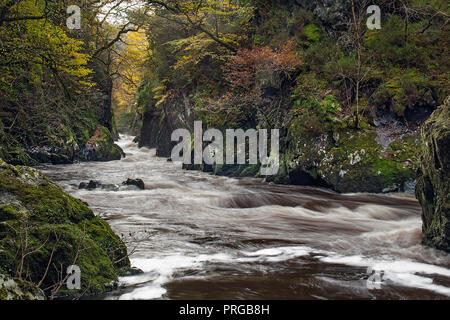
<point>433,188</point>
<point>351,161</point>
<point>16,289</point>
<point>43,230</point>
<point>101,147</point>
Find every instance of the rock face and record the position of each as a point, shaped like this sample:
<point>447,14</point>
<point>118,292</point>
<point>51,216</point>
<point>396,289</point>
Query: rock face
<point>343,159</point>
<point>52,228</point>
<point>346,161</point>
<point>95,146</point>
<point>159,123</point>
<point>433,183</point>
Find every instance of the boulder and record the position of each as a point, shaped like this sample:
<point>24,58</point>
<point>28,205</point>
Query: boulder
<point>100,147</point>
<point>59,229</point>
<point>134,182</point>
<point>91,185</point>
<point>351,161</point>
<point>433,182</point>
<point>17,289</point>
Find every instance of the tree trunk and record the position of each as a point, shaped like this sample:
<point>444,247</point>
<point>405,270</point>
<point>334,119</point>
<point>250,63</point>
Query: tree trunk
<point>406,26</point>
<point>357,34</point>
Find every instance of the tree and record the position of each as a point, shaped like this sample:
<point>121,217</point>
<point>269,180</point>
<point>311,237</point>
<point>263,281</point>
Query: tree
<point>204,16</point>
<point>50,75</point>
<point>129,67</point>
<point>358,30</point>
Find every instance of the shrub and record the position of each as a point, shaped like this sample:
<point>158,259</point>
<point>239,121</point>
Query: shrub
<point>247,74</point>
<point>316,108</point>
<point>409,90</point>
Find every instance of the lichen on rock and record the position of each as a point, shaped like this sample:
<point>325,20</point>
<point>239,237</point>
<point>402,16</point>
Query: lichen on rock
<point>350,161</point>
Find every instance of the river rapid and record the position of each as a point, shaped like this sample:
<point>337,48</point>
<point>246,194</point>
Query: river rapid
<point>199,236</point>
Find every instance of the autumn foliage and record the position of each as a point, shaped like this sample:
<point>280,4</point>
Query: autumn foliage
<point>261,63</point>
<point>247,74</point>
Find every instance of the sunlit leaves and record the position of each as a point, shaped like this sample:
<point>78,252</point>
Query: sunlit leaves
<point>39,47</point>
<point>130,62</point>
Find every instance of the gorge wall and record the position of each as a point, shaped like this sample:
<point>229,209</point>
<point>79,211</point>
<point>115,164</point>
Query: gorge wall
<point>433,183</point>
<point>296,69</point>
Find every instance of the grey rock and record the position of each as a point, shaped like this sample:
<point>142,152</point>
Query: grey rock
<point>134,182</point>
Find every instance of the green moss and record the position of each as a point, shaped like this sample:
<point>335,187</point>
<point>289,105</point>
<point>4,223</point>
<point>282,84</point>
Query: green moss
<point>102,234</point>
<point>45,200</point>
<point>392,172</point>
<point>351,161</point>
<point>363,159</point>
<point>101,146</point>
<point>17,289</point>
<point>405,89</point>
<point>3,294</point>
<point>53,221</point>
<point>405,149</point>
<point>312,33</point>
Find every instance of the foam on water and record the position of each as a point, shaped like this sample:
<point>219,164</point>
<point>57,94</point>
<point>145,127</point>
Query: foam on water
<point>403,272</point>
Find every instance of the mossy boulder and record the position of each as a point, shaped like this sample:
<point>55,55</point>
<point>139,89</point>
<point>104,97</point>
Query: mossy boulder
<point>43,230</point>
<point>16,289</point>
<point>433,187</point>
<point>100,147</point>
<point>351,161</point>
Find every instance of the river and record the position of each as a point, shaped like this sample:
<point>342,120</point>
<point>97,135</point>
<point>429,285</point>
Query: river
<point>199,236</point>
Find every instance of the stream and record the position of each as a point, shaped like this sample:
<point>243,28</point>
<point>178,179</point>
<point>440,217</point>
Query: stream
<point>199,236</point>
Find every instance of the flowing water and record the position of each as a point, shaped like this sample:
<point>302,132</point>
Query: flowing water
<point>199,236</point>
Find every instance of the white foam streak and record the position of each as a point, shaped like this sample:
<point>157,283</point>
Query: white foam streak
<point>159,271</point>
<point>402,272</point>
